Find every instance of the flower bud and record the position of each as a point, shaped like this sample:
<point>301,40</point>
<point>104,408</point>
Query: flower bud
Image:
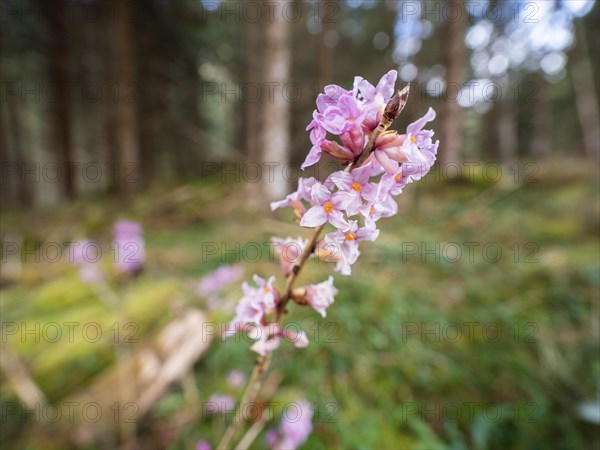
<point>396,104</point>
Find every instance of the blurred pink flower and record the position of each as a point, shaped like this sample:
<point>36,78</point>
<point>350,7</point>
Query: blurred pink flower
<point>86,255</point>
<point>298,338</point>
<point>130,252</point>
<point>236,379</point>
<point>294,428</point>
<point>220,403</point>
<point>203,445</point>
<point>217,280</point>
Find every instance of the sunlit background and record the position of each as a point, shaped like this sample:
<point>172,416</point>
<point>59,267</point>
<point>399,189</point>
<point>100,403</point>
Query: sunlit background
<point>153,134</point>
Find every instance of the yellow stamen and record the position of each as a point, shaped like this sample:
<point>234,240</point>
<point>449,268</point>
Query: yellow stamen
<point>397,177</point>
<point>350,236</point>
<point>328,207</point>
<point>351,121</point>
<point>357,187</point>
<point>412,139</point>
<point>266,289</point>
<point>371,211</point>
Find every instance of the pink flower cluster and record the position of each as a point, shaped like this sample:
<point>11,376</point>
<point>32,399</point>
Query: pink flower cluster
<point>366,193</point>
<point>354,115</point>
<point>250,316</point>
<point>352,201</point>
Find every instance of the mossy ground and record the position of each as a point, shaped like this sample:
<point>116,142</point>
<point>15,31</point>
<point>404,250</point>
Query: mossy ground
<point>436,341</point>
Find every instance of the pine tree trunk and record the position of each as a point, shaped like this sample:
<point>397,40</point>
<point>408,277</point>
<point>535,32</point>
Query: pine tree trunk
<point>586,97</point>
<point>454,60</point>
<point>251,110</point>
<point>108,75</point>
<point>507,131</point>
<point>541,141</point>
<point>325,52</point>
<point>274,137</point>
<point>128,151</point>
<point>61,112</point>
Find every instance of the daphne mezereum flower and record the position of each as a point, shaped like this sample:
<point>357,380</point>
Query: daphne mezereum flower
<point>351,115</point>
<point>236,379</point>
<point>325,207</point>
<point>85,255</point>
<point>347,240</point>
<point>217,280</point>
<point>374,98</point>
<point>295,198</point>
<point>321,296</point>
<point>268,337</point>
<point>356,186</point>
<point>289,250</point>
<point>203,445</point>
<point>254,304</point>
<point>219,403</point>
<point>372,212</point>
<point>345,114</point>
<point>329,252</point>
<point>416,147</point>
<point>294,428</point>
<point>317,136</point>
<point>365,189</point>
<point>130,252</point>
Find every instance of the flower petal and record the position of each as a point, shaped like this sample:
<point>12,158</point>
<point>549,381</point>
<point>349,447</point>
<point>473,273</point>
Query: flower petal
<point>314,217</point>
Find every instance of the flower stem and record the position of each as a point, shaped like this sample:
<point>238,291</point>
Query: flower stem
<point>262,362</point>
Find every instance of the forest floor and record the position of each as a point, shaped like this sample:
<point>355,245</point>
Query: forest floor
<point>472,322</point>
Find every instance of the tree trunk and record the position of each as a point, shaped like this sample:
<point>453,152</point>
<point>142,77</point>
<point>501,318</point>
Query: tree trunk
<point>107,73</point>
<point>61,112</point>
<point>251,110</point>
<point>586,97</point>
<point>15,185</point>
<point>275,138</point>
<point>489,145</point>
<point>454,60</point>
<point>325,52</point>
<point>149,42</point>
<point>127,94</point>
<point>541,141</point>
<point>507,131</point>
